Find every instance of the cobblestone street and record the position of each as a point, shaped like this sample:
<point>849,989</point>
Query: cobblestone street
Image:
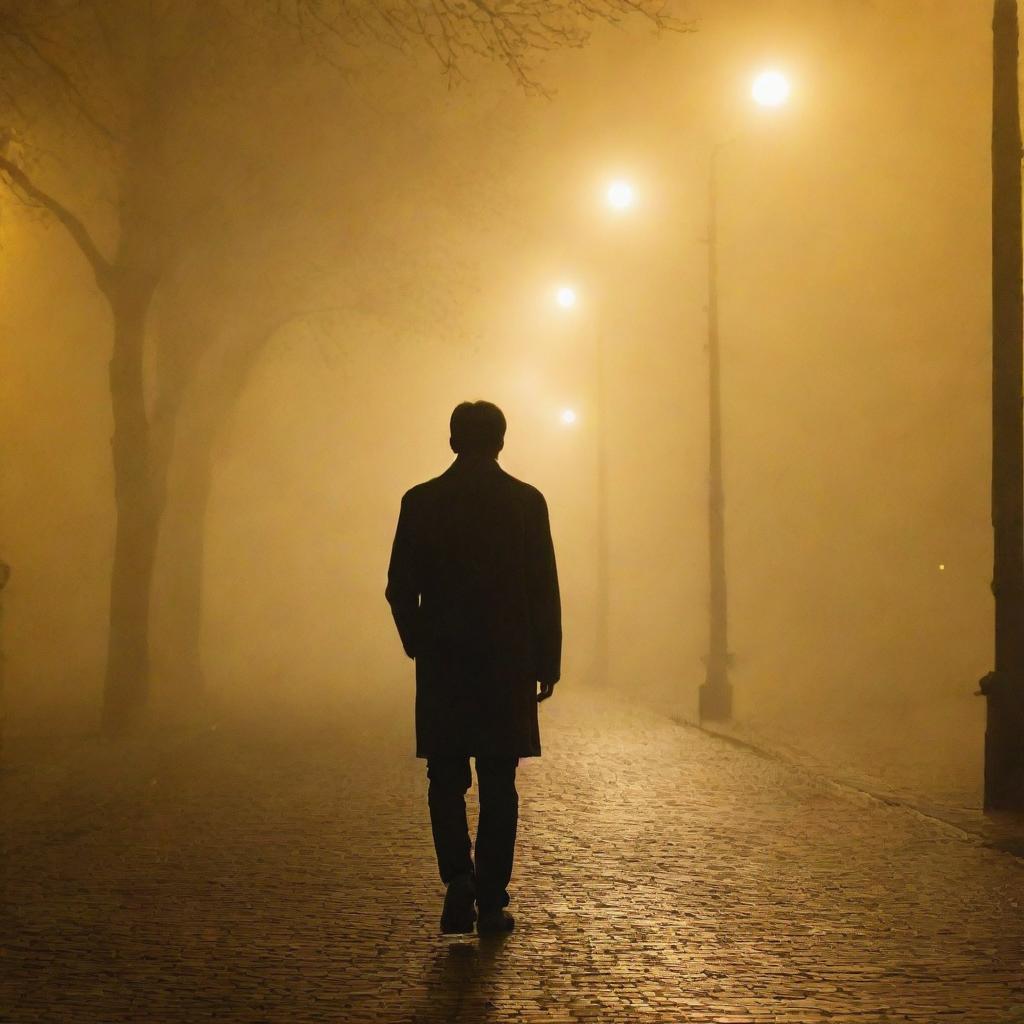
<point>286,874</point>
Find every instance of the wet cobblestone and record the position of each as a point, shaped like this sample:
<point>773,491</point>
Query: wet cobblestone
<point>286,875</point>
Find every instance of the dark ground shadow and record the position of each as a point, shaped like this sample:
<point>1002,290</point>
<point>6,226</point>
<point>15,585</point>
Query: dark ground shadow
<point>460,984</point>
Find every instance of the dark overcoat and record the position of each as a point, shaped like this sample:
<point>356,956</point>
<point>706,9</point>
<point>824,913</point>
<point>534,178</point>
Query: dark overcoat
<point>474,592</point>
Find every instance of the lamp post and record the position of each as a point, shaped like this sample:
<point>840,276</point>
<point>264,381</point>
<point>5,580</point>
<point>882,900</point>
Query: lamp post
<point>5,575</point>
<point>602,601</point>
<point>769,89</point>
<point>620,196</point>
<point>715,698</point>
<point>1004,687</point>
<point>566,298</point>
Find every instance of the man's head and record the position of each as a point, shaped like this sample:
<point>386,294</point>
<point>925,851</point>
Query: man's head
<point>477,428</point>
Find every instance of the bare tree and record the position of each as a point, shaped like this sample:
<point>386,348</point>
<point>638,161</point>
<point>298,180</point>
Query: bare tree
<point>95,98</point>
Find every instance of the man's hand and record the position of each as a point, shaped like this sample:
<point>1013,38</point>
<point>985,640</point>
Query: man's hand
<point>546,690</point>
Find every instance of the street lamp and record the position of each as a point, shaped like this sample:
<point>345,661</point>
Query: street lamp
<point>566,298</point>
<point>770,89</point>
<point>620,195</point>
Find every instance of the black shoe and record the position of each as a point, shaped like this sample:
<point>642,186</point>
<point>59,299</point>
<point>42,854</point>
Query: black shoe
<point>494,922</point>
<point>458,914</point>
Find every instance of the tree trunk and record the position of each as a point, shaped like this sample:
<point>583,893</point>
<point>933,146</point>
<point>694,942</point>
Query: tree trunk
<point>183,539</point>
<point>191,413</point>
<point>193,419</point>
<point>139,501</point>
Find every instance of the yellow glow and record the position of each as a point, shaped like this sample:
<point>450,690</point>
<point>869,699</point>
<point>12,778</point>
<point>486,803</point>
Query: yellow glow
<point>620,195</point>
<point>566,296</point>
<point>770,89</point>
<point>568,417</point>
<point>942,568</point>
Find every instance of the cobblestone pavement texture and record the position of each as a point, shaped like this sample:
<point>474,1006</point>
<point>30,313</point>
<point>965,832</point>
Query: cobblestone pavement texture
<point>929,756</point>
<point>928,759</point>
<point>285,873</point>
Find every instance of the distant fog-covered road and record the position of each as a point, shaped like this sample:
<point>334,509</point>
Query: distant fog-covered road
<point>282,871</point>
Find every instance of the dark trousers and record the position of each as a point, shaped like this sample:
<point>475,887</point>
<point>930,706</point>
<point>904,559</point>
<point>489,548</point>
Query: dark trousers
<point>450,778</point>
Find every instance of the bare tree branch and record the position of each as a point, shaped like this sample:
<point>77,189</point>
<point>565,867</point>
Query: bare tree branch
<point>20,181</point>
<point>512,32</point>
<point>10,30</point>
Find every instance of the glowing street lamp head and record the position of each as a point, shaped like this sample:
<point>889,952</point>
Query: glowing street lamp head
<point>568,417</point>
<point>565,296</point>
<point>770,89</point>
<point>620,195</point>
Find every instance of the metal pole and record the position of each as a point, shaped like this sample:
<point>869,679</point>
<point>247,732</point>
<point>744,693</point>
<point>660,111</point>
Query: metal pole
<point>5,575</point>
<point>1004,688</point>
<point>715,703</point>
<point>601,651</point>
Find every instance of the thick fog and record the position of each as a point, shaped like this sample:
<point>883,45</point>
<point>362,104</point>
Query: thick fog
<point>359,248</point>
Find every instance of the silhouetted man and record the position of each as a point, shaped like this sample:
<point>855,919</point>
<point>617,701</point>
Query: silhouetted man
<point>474,592</point>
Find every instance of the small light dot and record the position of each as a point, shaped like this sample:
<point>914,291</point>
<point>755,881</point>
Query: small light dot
<point>568,417</point>
<point>942,567</point>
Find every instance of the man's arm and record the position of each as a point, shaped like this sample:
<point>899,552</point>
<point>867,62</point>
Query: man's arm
<point>403,592</point>
<point>545,602</point>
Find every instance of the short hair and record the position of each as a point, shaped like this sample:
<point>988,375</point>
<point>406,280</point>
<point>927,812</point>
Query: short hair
<point>477,428</point>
